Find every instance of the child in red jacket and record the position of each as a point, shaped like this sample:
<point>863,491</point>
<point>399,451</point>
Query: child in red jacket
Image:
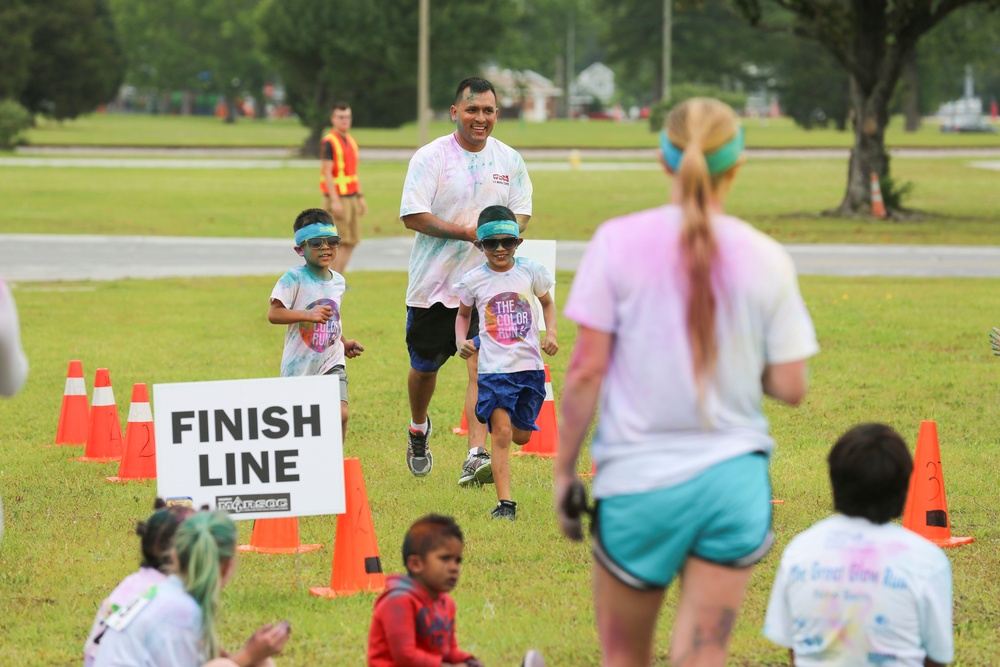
<point>413,624</point>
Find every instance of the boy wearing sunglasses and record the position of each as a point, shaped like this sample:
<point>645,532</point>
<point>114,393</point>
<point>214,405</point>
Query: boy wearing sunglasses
<point>511,372</point>
<point>307,299</point>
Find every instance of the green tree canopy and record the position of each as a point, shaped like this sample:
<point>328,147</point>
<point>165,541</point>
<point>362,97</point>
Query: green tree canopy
<point>59,57</point>
<point>364,52</point>
<point>871,40</point>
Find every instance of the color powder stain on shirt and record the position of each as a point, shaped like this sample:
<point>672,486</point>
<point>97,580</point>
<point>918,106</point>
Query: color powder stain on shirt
<point>320,336</point>
<point>508,318</point>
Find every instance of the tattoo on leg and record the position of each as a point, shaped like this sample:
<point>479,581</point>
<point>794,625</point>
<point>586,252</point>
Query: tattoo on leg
<point>717,636</point>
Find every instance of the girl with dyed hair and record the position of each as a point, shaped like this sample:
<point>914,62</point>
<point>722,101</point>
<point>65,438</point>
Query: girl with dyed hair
<point>687,318</point>
<point>173,623</point>
<point>157,542</point>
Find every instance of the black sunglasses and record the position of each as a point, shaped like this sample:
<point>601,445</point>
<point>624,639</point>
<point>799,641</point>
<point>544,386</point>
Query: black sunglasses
<point>331,241</point>
<point>508,243</point>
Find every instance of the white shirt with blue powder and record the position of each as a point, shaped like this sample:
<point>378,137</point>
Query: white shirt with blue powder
<point>311,348</point>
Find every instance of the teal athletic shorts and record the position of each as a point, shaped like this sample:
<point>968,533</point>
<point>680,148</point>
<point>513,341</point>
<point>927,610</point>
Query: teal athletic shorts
<point>722,516</point>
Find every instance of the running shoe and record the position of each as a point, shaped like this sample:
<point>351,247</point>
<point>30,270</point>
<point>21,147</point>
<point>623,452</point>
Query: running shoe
<point>418,453</point>
<point>533,659</point>
<point>505,509</point>
<point>476,468</point>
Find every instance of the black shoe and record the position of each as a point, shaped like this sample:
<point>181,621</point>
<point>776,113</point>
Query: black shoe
<point>505,509</point>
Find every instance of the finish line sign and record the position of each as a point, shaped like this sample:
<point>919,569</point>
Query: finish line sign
<point>258,449</point>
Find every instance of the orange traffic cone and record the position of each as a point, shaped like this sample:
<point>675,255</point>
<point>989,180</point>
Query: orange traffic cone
<point>356,564</point>
<point>139,457</point>
<point>463,428</point>
<point>926,511</point>
<point>74,417</point>
<point>545,441</point>
<point>276,536</point>
<point>878,206</point>
<point>104,438</point>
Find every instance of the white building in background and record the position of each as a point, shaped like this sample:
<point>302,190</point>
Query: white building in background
<point>966,114</point>
<point>527,92</point>
<point>595,82</point>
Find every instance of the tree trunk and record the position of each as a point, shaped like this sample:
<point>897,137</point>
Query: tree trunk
<point>187,102</point>
<point>870,116</point>
<point>230,109</point>
<point>911,106</point>
<point>310,147</point>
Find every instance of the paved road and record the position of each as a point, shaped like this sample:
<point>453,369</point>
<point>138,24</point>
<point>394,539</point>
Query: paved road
<point>36,257</point>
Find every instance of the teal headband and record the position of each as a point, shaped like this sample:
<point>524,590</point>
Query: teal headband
<point>719,160</point>
<point>315,231</point>
<point>495,227</point>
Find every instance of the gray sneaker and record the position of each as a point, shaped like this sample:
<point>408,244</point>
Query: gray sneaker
<point>505,509</point>
<point>476,468</point>
<point>418,453</point>
<point>533,659</point>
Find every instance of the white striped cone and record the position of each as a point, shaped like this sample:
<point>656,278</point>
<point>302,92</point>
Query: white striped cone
<point>139,456</point>
<point>74,417</point>
<point>545,441</point>
<point>104,438</point>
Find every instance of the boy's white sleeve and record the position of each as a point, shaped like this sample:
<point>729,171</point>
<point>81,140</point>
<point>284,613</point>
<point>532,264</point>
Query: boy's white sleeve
<point>13,361</point>
<point>777,621</point>
<point>542,280</point>
<point>284,291</point>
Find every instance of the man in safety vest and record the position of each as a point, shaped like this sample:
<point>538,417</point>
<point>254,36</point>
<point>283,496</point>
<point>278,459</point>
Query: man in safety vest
<point>342,196</point>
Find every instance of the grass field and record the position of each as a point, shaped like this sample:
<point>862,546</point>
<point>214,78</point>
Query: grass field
<point>145,130</point>
<point>782,197</point>
<point>893,350</point>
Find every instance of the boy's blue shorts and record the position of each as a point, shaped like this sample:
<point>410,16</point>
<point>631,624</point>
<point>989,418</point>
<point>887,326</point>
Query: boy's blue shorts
<point>722,516</point>
<point>521,394</point>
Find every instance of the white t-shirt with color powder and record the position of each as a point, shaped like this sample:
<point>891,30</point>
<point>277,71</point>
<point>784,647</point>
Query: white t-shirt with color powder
<point>849,592</point>
<point>161,630</point>
<point>652,433</point>
<point>130,587</point>
<point>455,185</point>
<point>310,348</point>
<point>508,332</point>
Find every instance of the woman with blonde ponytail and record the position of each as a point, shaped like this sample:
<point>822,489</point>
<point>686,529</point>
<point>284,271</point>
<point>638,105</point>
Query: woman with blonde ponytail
<point>687,318</point>
<point>173,623</point>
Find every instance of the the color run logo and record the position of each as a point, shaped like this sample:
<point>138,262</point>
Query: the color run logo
<point>321,336</point>
<point>508,318</point>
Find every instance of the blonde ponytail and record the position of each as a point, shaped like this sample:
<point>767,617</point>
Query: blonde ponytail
<point>695,128</point>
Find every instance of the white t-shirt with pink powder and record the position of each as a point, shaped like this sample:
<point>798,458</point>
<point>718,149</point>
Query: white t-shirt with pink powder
<point>130,587</point>
<point>631,283</point>
<point>455,185</point>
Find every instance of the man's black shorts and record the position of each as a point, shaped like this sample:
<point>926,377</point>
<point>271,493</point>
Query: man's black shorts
<point>430,335</point>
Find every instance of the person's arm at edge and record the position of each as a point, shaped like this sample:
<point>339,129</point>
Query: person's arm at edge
<point>581,391</point>
<point>13,361</point>
<point>431,225</point>
<point>786,382</point>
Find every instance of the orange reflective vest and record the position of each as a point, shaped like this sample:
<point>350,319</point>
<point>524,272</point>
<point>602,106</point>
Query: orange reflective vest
<point>345,164</point>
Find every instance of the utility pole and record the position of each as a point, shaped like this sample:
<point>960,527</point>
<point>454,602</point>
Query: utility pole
<point>668,21</point>
<point>570,61</point>
<point>423,72</point>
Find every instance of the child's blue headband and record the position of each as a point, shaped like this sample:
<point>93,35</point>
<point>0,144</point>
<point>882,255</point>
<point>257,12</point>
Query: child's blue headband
<point>315,231</point>
<point>495,227</point>
<point>719,160</point>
